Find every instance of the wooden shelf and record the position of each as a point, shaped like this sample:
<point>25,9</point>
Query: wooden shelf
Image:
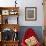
<point>11,26</point>
<point>4,13</point>
<point>9,43</point>
<point>10,9</point>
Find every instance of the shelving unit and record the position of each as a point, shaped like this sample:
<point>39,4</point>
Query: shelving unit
<point>5,13</point>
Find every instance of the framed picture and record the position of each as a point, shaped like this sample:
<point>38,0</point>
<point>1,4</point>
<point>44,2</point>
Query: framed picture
<point>5,12</point>
<point>30,13</point>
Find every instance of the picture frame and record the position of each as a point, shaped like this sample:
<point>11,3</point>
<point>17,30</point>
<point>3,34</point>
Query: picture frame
<point>5,12</point>
<point>30,13</point>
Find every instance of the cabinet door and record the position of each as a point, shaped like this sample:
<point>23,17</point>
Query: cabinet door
<point>0,36</point>
<point>0,19</point>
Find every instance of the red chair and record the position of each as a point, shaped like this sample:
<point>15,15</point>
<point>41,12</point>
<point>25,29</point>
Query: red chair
<point>29,33</point>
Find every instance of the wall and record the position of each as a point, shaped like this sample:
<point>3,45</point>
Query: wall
<point>44,13</point>
<point>30,3</point>
<point>26,3</point>
<point>37,25</point>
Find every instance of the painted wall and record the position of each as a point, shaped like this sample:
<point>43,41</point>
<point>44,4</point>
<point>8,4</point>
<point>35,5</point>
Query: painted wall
<point>26,3</point>
<point>44,13</point>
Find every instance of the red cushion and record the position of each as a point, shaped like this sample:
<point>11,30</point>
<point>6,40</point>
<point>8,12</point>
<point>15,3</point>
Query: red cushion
<point>29,33</point>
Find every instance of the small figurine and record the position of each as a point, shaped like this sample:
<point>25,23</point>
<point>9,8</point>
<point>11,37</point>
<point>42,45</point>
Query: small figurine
<point>15,3</point>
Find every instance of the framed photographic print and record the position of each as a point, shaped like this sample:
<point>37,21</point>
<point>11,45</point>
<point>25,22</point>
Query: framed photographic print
<point>30,13</point>
<point>5,12</point>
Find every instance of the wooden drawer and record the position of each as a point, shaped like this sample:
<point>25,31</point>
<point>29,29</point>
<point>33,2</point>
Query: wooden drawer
<point>9,43</point>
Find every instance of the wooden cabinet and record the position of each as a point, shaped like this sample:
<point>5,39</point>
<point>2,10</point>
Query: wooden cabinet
<point>5,26</point>
<point>6,12</point>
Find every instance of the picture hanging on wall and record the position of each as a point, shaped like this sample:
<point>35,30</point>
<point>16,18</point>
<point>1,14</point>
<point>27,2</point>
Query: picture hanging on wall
<point>30,13</point>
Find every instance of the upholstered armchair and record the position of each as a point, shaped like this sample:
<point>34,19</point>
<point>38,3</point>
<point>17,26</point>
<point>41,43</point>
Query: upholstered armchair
<point>30,38</point>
